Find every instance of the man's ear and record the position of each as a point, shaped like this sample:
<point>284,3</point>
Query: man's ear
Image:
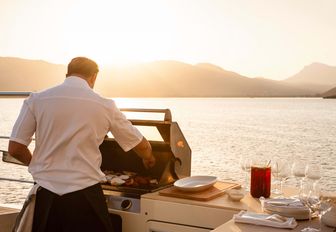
<point>92,80</point>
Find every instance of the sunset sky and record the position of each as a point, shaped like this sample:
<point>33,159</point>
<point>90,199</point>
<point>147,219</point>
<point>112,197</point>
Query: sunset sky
<point>269,38</point>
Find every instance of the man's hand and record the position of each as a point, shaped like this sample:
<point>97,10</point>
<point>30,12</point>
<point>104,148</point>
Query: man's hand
<point>149,162</point>
<point>144,151</point>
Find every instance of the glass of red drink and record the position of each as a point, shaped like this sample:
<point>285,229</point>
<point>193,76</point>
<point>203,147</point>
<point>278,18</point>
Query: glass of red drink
<point>260,181</point>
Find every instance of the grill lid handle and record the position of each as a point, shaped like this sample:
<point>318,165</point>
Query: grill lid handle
<point>167,113</point>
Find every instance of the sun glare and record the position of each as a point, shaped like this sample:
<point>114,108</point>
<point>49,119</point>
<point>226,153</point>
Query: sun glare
<point>273,39</point>
<point>119,33</point>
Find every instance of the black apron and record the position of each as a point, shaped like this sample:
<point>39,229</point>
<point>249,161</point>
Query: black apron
<point>83,210</point>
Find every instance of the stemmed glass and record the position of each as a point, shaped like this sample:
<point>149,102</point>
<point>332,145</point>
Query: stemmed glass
<point>245,164</point>
<point>311,198</point>
<point>276,165</point>
<point>284,174</point>
<point>313,172</point>
<point>314,200</point>
<point>299,171</point>
<point>281,171</point>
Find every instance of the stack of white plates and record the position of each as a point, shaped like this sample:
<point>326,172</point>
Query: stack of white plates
<point>287,207</point>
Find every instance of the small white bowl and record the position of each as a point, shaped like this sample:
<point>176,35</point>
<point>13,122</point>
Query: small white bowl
<point>236,194</point>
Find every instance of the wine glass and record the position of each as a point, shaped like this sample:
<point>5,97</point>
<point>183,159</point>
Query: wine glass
<point>313,172</point>
<point>245,164</point>
<point>317,203</point>
<point>284,174</point>
<point>309,198</point>
<point>312,200</point>
<point>276,165</point>
<point>299,171</point>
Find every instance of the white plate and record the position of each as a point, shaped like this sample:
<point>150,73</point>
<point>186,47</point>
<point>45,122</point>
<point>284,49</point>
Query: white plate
<point>195,183</point>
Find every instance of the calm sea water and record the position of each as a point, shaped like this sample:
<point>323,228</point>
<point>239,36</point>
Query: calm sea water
<point>220,131</point>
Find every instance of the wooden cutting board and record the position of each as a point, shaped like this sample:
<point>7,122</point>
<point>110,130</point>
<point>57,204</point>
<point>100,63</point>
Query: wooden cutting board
<point>214,191</point>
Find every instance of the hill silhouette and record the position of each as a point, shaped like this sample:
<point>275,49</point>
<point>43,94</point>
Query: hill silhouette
<point>172,78</point>
<point>18,74</point>
<point>316,77</point>
<point>164,78</point>
<point>330,93</point>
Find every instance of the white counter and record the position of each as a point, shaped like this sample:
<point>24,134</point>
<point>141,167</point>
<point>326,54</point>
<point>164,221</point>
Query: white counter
<point>207,215</point>
<point>7,218</point>
<point>214,215</point>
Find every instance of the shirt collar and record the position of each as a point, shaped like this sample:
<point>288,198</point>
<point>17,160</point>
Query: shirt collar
<point>76,82</point>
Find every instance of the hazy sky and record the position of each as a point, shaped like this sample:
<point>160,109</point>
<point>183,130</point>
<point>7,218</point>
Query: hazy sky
<point>269,38</point>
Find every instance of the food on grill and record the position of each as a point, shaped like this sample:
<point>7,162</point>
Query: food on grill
<point>129,182</point>
<point>154,181</point>
<point>116,181</point>
<point>109,177</point>
<point>129,173</point>
<point>142,180</point>
<point>125,179</point>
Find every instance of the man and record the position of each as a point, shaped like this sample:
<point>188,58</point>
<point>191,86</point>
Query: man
<point>70,121</point>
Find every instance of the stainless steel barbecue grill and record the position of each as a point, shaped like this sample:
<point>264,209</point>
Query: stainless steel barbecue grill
<point>173,161</point>
<point>172,153</point>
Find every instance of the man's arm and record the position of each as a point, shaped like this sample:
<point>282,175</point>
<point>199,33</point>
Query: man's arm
<point>22,133</point>
<point>19,152</point>
<point>144,151</point>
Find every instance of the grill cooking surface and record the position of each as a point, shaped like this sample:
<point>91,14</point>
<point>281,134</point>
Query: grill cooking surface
<point>117,163</point>
<point>132,182</point>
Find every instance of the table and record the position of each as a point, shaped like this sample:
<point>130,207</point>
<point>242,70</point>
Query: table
<point>231,226</point>
<point>254,205</point>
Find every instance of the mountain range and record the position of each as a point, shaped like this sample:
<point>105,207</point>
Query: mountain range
<point>316,77</point>
<point>169,79</point>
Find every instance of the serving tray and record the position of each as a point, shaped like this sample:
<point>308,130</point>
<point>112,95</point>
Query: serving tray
<point>214,191</point>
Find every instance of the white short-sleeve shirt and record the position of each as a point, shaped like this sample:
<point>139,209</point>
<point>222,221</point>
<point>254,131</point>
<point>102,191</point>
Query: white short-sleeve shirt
<point>70,121</point>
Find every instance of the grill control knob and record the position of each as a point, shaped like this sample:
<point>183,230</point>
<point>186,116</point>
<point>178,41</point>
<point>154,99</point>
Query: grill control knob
<point>126,204</point>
